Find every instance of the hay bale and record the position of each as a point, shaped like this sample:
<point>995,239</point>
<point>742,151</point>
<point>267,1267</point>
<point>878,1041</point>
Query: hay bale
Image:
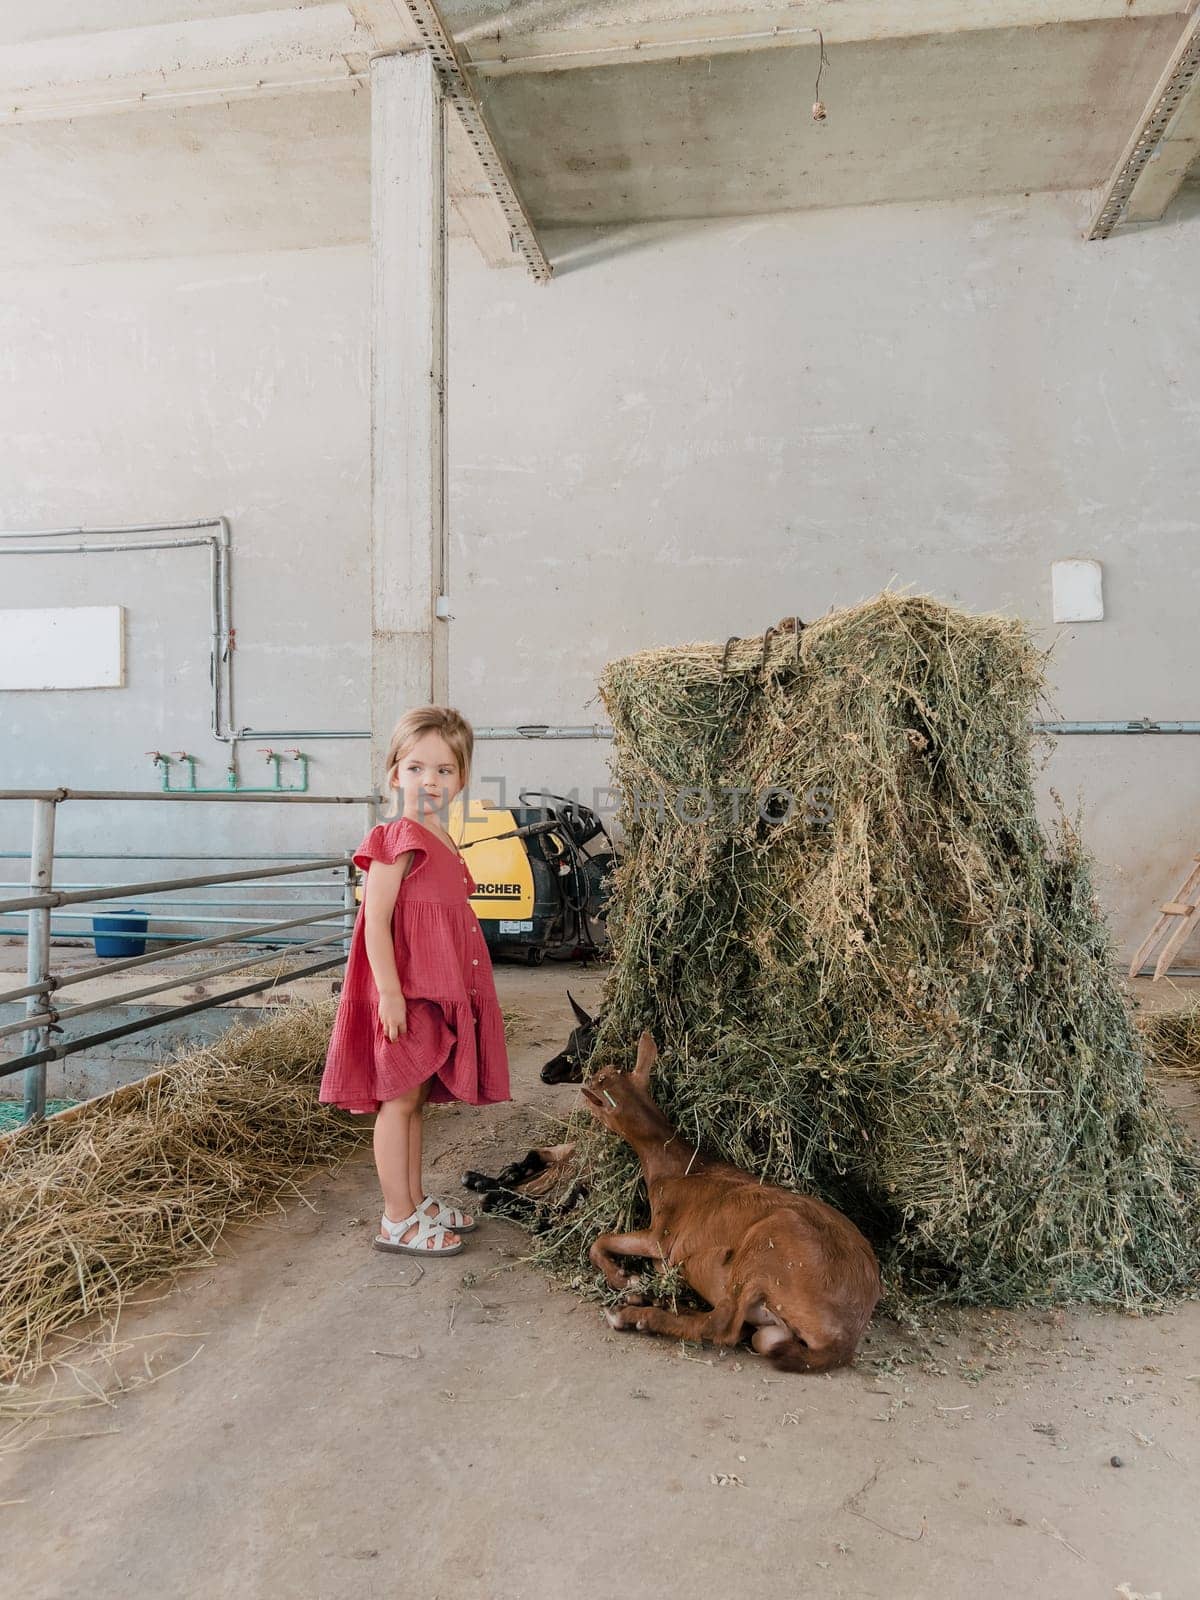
<point>99,1201</point>
<point>901,994</point>
<point>1173,1040</point>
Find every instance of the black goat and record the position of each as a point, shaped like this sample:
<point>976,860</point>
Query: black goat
<point>539,1181</point>
<point>567,1065</point>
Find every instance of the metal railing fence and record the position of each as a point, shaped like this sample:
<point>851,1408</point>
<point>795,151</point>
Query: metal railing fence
<point>43,1018</point>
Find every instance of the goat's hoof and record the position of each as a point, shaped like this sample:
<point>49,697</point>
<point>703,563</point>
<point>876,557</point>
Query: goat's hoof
<point>624,1318</point>
<point>619,1319</point>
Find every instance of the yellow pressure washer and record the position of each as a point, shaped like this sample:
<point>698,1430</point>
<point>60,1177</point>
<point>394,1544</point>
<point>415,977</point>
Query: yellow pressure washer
<point>542,870</point>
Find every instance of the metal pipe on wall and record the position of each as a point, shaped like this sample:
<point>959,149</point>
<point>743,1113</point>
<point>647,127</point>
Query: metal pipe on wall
<point>543,730</point>
<point>635,50</point>
<point>598,730</point>
<point>221,606</point>
<point>220,547</point>
<point>1135,725</point>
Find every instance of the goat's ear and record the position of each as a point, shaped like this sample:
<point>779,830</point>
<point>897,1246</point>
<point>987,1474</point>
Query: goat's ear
<point>581,1016</point>
<point>646,1057</point>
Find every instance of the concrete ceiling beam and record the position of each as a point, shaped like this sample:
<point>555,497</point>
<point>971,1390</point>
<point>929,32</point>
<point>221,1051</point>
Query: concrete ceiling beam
<point>701,28</point>
<point>181,63</point>
<point>1162,146</point>
<point>492,169</point>
<point>388,22</point>
<point>172,65</point>
<point>1167,168</point>
<point>472,199</point>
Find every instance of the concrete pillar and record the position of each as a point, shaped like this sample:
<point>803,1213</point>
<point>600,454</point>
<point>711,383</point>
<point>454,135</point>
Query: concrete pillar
<point>408,350</point>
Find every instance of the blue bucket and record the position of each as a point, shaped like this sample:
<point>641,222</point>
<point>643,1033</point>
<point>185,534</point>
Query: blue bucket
<point>115,934</point>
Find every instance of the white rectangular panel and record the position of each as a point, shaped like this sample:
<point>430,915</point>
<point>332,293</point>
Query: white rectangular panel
<point>1078,591</point>
<point>63,647</point>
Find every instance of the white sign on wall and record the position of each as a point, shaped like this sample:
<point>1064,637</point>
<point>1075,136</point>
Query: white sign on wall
<point>1077,591</point>
<point>63,647</point>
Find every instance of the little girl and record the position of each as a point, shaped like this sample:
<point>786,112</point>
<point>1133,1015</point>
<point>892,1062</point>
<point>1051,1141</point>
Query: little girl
<point>418,1017</point>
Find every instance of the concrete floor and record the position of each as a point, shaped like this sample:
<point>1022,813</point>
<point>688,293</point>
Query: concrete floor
<point>341,1432</point>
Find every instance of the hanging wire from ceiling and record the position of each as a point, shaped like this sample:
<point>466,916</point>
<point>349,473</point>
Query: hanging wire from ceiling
<point>818,111</point>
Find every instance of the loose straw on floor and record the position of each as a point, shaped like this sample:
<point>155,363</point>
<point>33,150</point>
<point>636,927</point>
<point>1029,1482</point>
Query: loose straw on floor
<point>96,1202</point>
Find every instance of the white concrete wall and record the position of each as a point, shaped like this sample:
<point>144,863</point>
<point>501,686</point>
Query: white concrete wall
<point>694,431</point>
<point>168,390</point>
<point>698,430</point>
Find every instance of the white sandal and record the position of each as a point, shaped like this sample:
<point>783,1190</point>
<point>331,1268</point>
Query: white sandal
<point>447,1216</point>
<point>430,1237</point>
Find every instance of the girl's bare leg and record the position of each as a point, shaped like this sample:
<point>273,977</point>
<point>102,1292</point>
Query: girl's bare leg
<point>417,1189</point>
<point>416,1126</point>
<point>393,1145</point>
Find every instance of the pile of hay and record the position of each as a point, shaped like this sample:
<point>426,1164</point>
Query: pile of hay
<point>1173,1040</point>
<point>901,995</point>
<point>98,1202</point>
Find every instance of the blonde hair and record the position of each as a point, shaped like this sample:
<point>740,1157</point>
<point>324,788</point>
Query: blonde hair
<point>452,726</point>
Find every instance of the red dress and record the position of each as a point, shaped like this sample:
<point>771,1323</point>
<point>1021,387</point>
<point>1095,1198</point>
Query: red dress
<point>455,1026</point>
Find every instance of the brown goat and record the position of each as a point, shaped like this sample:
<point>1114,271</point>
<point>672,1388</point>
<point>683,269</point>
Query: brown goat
<point>797,1271</point>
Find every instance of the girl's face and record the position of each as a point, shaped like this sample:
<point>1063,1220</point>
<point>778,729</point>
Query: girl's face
<point>426,776</point>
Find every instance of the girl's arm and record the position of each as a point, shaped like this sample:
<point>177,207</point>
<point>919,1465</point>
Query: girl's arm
<point>383,885</point>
